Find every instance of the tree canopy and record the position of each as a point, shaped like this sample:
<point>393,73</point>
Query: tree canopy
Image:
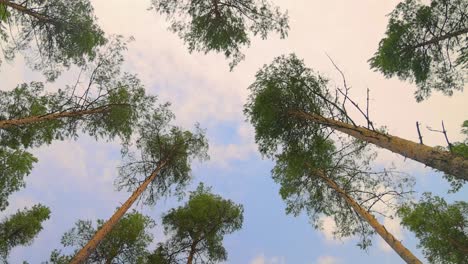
<point>440,227</point>
<point>53,33</point>
<point>160,143</point>
<point>196,230</point>
<point>222,25</point>
<point>126,243</point>
<point>426,44</point>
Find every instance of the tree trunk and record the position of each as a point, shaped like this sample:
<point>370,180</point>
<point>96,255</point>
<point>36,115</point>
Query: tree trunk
<point>445,161</point>
<point>439,38</point>
<point>396,245</point>
<point>192,252</point>
<point>36,119</point>
<point>25,10</point>
<point>89,248</point>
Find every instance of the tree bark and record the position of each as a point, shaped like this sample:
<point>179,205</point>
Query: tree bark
<point>439,38</point>
<point>445,161</point>
<point>396,245</point>
<point>36,119</point>
<point>92,244</point>
<point>192,252</point>
<point>25,10</point>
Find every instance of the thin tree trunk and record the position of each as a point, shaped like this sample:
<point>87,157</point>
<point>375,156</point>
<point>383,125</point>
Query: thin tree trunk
<point>25,10</point>
<point>92,244</point>
<point>36,119</point>
<point>439,38</point>
<point>396,245</point>
<point>191,253</point>
<point>445,161</point>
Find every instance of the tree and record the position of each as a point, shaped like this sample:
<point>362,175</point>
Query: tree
<point>441,228</point>
<point>54,33</point>
<point>21,228</point>
<point>108,105</point>
<point>326,177</point>
<point>162,166</point>
<point>322,172</point>
<point>222,26</point>
<point>289,100</point>
<point>126,243</point>
<point>426,44</point>
<point>197,229</point>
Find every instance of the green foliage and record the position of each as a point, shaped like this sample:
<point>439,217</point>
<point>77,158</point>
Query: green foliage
<point>21,228</point>
<point>126,243</point>
<point>284,85</point>
<point>63,32</point>
<point>222,26</point>
<point>426,44</point>
<point>440,227</point>
<point>305,150</point>
<point>122,94</point>
<point>15,164</point>
<point>198,228</point>
<point>159,142</point>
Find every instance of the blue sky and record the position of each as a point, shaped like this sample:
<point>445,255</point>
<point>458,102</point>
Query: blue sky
<point>74,178</point>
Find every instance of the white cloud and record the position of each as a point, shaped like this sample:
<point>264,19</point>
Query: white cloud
<point>328,260</point>
<point>261,259</point>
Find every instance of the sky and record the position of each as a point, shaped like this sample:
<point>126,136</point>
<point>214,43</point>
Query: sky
<point>75,178</point>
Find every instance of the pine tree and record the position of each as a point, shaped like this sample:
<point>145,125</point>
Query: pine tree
<point>126,243</point>
<point>289,100</point>
<point>196,230</point>
<point>161,167</point>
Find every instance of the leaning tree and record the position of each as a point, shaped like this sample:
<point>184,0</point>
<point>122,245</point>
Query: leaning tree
<point>287,98</point>
<point>126,243</point>
<point>160,166</point>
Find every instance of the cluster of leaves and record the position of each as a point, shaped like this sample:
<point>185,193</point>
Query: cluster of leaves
<point>126,243</point>
<point>21,228</point>
<point>197,229</point>
<point>440,227</point>
<point>222,25</point>
<point>54,33</point>
<point>426,44</point>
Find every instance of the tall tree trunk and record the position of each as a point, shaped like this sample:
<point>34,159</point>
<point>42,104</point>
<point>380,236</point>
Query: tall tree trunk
<point>36,119</point>
<point>396,245</point>
<point>192,252</point>
<point>445,161</point>
<point>25,10</point>
<point>84,253</point>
